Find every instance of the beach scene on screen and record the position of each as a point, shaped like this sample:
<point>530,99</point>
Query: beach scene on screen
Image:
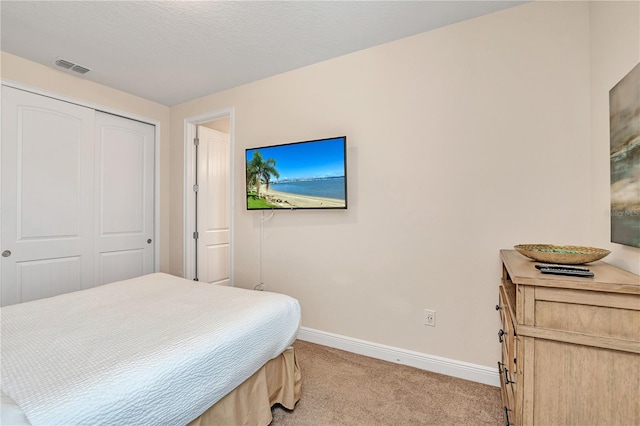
<point>298,175</point>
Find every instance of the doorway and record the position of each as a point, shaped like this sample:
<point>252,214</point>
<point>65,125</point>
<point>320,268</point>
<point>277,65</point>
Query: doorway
<point>208,206</point>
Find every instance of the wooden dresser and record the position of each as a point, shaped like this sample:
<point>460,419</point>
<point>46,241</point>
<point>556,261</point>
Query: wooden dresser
<point>570,345</point>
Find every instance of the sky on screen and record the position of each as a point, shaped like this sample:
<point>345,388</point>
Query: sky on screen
<point>307,159</point>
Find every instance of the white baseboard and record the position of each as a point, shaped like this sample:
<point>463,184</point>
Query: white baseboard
<point>436,364</point>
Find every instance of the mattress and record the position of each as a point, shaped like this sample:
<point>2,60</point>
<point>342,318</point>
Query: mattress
<point>151,350</point>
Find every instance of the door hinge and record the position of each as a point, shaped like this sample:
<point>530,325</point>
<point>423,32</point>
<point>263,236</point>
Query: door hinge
<point>195,235</point>
<point>195,188</point>
<point>196,141</point>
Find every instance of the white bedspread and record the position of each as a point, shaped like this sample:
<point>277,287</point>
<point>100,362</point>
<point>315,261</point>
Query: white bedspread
<point>154,350</point>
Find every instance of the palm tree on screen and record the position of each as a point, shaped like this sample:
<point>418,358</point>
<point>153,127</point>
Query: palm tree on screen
<point>260,171</point>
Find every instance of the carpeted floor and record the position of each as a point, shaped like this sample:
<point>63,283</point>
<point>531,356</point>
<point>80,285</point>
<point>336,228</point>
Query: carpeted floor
<point>341,388</point>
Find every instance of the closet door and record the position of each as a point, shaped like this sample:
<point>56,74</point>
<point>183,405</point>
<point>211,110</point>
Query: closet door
<point>77,193</point>
<point>47,197</point>
<point>124,198</point>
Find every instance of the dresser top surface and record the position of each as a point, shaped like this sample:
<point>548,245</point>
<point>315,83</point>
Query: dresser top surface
<point>607,277</point>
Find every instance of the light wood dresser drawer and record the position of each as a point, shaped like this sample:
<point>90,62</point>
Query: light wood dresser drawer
<point>570,345</point>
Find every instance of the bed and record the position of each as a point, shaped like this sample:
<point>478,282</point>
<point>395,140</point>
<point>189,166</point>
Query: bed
<point>152,350</point>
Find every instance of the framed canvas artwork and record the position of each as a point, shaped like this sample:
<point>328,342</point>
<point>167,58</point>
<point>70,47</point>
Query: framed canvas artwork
<point>624,128</point>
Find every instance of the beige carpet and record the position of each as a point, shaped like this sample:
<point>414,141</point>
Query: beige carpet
<point>341,388</point>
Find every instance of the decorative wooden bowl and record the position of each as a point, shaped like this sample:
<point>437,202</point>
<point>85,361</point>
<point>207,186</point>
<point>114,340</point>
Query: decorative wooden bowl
<point>568,255</point>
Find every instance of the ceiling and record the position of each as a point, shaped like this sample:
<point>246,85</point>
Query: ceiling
<point>174,51</point>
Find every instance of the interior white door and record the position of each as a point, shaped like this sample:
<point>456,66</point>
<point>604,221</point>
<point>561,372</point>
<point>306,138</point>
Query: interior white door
<point>47,197</point>
<point>214,206</point>
<point>124,198</point>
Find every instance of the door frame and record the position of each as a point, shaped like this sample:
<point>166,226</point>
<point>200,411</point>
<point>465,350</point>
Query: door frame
<point>190,124</point>
<point>125,114</point>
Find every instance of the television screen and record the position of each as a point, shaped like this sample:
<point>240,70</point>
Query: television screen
<point>301,175</point>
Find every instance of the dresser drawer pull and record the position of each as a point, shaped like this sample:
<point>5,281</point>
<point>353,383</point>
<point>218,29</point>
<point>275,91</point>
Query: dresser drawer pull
<point>505,372</point>
<point>500,334</point>
<point>507,381</point>
<point>506,416</point>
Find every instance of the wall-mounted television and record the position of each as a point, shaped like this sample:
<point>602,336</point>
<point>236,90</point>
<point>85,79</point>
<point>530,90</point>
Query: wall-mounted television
<point>297,176</point>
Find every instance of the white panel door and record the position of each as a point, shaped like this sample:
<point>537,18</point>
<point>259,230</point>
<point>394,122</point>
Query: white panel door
<point>124,168</point>
<point>214,164</point>
<point>47,197</point>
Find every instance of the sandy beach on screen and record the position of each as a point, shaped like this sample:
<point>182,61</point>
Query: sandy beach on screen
<point>286,200</point>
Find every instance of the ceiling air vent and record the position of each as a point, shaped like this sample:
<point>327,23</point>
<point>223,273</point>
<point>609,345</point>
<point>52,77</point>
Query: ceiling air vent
<point>80,69</point>
<point>71,66</point>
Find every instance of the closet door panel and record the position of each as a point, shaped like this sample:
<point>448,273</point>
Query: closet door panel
<point>38,279</point>
<point>122,181</point>
<point>47,196</point>
<point>124,197</point>
<point>121,265</point>
<point>49,179</point>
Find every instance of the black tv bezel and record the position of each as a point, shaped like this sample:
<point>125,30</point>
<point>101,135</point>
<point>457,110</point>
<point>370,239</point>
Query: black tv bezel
<point>346,186</point>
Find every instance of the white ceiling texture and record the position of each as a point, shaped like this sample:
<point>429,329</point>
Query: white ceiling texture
<point>175,51</point>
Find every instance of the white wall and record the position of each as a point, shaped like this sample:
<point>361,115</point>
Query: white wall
<point>615,50</point>
<point>33,75</point>
<point>458,147</point>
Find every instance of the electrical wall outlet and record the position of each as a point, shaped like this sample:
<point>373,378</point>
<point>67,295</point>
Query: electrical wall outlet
<point>430,317</point>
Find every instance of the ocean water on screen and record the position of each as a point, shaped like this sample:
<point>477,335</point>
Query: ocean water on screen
<point>326,188</point>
